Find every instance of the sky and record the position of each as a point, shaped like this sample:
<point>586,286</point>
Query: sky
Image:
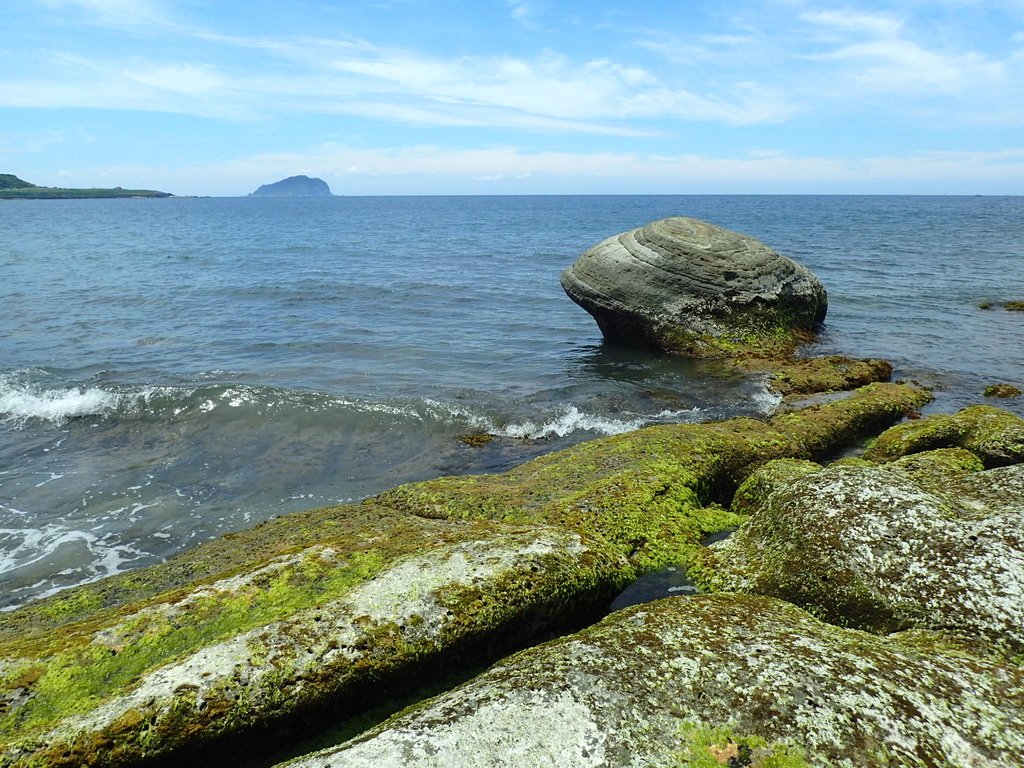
<point>394,97</point>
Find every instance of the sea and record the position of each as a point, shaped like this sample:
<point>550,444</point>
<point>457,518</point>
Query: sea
<point>172,370</point>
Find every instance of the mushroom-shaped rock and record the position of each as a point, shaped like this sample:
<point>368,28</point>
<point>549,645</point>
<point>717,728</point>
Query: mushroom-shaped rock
<point>691,288</point>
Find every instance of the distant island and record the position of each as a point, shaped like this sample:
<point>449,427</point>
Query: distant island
<point>13,188</point>
<point>294,186</point>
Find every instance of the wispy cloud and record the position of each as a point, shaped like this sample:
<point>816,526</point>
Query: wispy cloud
<point>548,92</point>
<point>118,14</point>
<point>879,57</point>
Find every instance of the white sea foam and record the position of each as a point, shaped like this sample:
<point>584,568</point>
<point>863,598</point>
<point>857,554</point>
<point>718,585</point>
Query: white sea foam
<point>21,403</point>
<point>570,420</point>
<point>765,400</point>
<point>26,551</point>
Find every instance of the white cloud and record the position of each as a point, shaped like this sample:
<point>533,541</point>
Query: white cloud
<point>187,79</point>
<point>115,13</point>
<point>877,56</point>
<point>548,92</point>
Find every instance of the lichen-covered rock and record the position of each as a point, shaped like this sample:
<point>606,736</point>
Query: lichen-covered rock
<point>712,680</point>
<point>690,288</point>
<point>995,435</point>
<point>655,493</point>
<point>318,627</point>
<point>874,548</point>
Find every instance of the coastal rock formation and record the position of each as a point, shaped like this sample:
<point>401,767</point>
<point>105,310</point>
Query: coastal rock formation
<point>332,610</point>
<point>713,680</point>
<point>996,436</point>
<point>294,186</point>
<point>690,288</point>
<point>317,627</point>
<point>655,493</point>
<point>930,540</point>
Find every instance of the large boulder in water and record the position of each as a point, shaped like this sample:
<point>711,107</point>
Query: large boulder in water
<point>694,289</point>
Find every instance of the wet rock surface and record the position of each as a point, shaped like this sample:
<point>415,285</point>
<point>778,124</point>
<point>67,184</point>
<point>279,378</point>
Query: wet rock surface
<point>713,680</point>
<point>691,288</point>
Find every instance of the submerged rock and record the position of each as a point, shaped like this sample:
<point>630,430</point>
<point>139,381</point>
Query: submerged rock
<point>886,548</point>
<point>1002,390</point>
<point>691,288</point>
<point>713,680</point>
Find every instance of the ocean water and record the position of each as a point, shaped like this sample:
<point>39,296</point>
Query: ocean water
<point>171,370</point>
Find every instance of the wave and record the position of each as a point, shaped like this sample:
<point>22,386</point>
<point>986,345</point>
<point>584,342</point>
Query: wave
<point>20,403</point>
<point>28,397</point>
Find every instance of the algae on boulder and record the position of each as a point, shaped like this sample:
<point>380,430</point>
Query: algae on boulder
<point>996,436</point>
<point>655,493</point>
<point>697,681</point>
<point>320,610</point>
<point>691,288</point>
<point>319,627</point>
<point>887,548</point>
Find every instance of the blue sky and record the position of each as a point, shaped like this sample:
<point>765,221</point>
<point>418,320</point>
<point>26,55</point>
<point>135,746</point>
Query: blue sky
<point>198,97</point>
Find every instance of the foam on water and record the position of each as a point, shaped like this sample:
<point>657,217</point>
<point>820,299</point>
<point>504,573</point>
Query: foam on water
<point>20,403</point>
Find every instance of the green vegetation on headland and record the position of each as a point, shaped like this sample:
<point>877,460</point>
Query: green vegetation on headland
<point>13,188</point>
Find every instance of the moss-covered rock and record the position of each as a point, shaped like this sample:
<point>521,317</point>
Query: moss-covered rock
<point>1002,390</point>
<point>325,609</point>
<point>654,493</point>
<point>317,627</point>
<point>713,680</point>
<point>794,377</point>
<point>996,436</point>
<point>887,548</point>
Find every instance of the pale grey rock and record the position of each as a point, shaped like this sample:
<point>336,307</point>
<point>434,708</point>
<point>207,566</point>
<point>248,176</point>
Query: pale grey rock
<point>886,547</point>
<point>393,616</point>
<point>696,681</point>
<point>691,288</point>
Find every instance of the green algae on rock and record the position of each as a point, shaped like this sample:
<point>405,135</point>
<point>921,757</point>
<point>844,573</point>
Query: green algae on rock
<point>318,627</point>
<point>321,609</point>
<point>655,493</point>
<point>995,435</point>
<point>1002,390</point>
<point>793,377</point>
<point>886,548</point>
<point>697,681</point>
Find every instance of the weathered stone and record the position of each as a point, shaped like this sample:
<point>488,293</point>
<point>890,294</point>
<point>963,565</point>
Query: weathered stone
<point>996,436</point>
<point>888,547</point>
<point>796,377</point>
<point>317,610</point>
<point>690,288</point>
<point>321,626</point>
<point>713,680</point>
<point>655,493</point>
